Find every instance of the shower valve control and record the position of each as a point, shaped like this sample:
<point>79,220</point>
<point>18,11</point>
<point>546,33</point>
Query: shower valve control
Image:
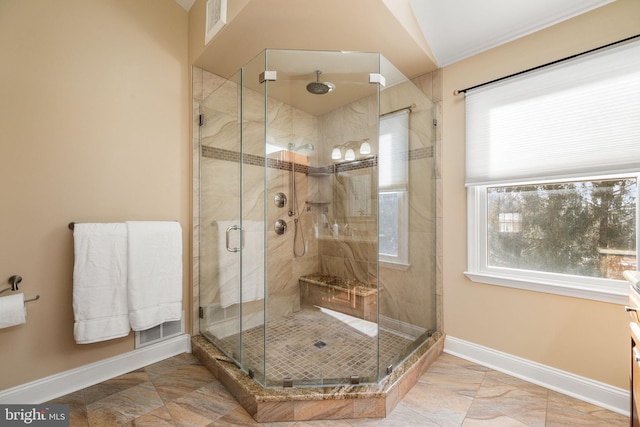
<point>280,227</point>
<point>280,200</point>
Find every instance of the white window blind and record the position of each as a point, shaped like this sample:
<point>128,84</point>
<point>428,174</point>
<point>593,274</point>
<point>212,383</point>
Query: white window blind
<point>576,118</point>
<point>393,151</point>
<point>393,200</point>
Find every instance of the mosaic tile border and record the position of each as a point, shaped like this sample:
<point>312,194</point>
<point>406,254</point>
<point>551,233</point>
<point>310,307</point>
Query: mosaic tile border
<point>252,159</point>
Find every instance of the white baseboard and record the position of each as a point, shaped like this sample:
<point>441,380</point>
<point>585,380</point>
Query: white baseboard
<point>585,389</point>
<point>57,385</point>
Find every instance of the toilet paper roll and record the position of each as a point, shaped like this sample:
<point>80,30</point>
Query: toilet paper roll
<point>12,310</point>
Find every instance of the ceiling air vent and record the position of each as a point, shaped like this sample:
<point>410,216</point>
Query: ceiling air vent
<point>216,18</point>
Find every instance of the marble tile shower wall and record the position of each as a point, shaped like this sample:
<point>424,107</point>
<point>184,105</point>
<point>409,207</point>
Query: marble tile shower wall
<point>345,257</point>
<point>352,254</point>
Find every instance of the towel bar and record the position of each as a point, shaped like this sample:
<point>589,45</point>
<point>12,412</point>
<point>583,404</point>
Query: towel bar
<point>73,224</point>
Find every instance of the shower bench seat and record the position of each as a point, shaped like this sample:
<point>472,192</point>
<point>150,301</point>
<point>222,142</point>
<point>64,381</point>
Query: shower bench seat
<point>348,296</point>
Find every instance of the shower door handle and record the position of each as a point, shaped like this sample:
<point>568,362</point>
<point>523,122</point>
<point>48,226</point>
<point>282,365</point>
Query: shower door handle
<point>229,229</point>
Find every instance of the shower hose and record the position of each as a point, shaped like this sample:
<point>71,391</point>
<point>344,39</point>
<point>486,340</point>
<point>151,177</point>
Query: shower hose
<point>297,227</point>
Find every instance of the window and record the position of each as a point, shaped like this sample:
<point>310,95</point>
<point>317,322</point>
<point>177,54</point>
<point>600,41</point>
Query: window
<point>392,227</point>
<point>563,227</point>
<point>393,199</point>
<point>552,168</point>
<point>509,222</point>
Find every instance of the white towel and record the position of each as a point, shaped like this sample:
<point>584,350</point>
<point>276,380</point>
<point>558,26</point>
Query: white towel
<point>253,261</point>
<point>155,273</point>
<point>100,282</point>
<point>252,264</point>
<point>12,310</point>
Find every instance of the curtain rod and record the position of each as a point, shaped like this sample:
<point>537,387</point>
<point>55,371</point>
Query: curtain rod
<point>410,108</point>
<point>457,92</point>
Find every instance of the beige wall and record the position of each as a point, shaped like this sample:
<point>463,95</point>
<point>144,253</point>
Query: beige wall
<point>94,126</point>
<point>584,337</point>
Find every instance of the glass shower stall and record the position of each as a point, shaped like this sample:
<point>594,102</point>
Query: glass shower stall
<point>317,218</point>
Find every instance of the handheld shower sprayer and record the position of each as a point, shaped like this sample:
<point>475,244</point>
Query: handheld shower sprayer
<point>293,200</point>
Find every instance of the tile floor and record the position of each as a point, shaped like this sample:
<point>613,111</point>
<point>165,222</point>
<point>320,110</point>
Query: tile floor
<point>318,344</point>
<point>181,392</point>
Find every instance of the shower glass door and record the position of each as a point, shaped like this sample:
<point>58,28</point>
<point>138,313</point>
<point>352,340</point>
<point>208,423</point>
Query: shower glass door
<point>220,216</point>
<point>232,226</point>
<point>252,201</point>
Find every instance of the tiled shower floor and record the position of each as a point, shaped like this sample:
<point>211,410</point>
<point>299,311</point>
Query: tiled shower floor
<point>318,346</point>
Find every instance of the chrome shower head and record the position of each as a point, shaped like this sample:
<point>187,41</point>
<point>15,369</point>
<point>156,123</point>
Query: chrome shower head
<point>318,87</point>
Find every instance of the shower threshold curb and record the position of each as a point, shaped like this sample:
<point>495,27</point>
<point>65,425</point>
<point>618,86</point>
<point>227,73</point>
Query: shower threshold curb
<point>318,403</point>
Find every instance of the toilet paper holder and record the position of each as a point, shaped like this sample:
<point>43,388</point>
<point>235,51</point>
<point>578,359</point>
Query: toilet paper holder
<point>14,281</point>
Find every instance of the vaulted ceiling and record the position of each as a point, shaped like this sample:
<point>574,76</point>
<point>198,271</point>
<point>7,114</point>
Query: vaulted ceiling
<point>456,29</point>
<point>416,35</point>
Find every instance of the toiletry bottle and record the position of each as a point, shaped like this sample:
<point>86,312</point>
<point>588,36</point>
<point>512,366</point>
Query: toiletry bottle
<point>336,228</point>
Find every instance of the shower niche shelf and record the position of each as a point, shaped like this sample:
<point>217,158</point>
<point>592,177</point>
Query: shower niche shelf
<point>318,202</point>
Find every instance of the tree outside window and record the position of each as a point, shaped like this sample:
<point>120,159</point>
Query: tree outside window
<point>584,228</point>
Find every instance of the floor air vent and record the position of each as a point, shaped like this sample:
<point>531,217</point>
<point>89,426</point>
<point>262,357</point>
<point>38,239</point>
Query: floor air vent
<point>159,333</point>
